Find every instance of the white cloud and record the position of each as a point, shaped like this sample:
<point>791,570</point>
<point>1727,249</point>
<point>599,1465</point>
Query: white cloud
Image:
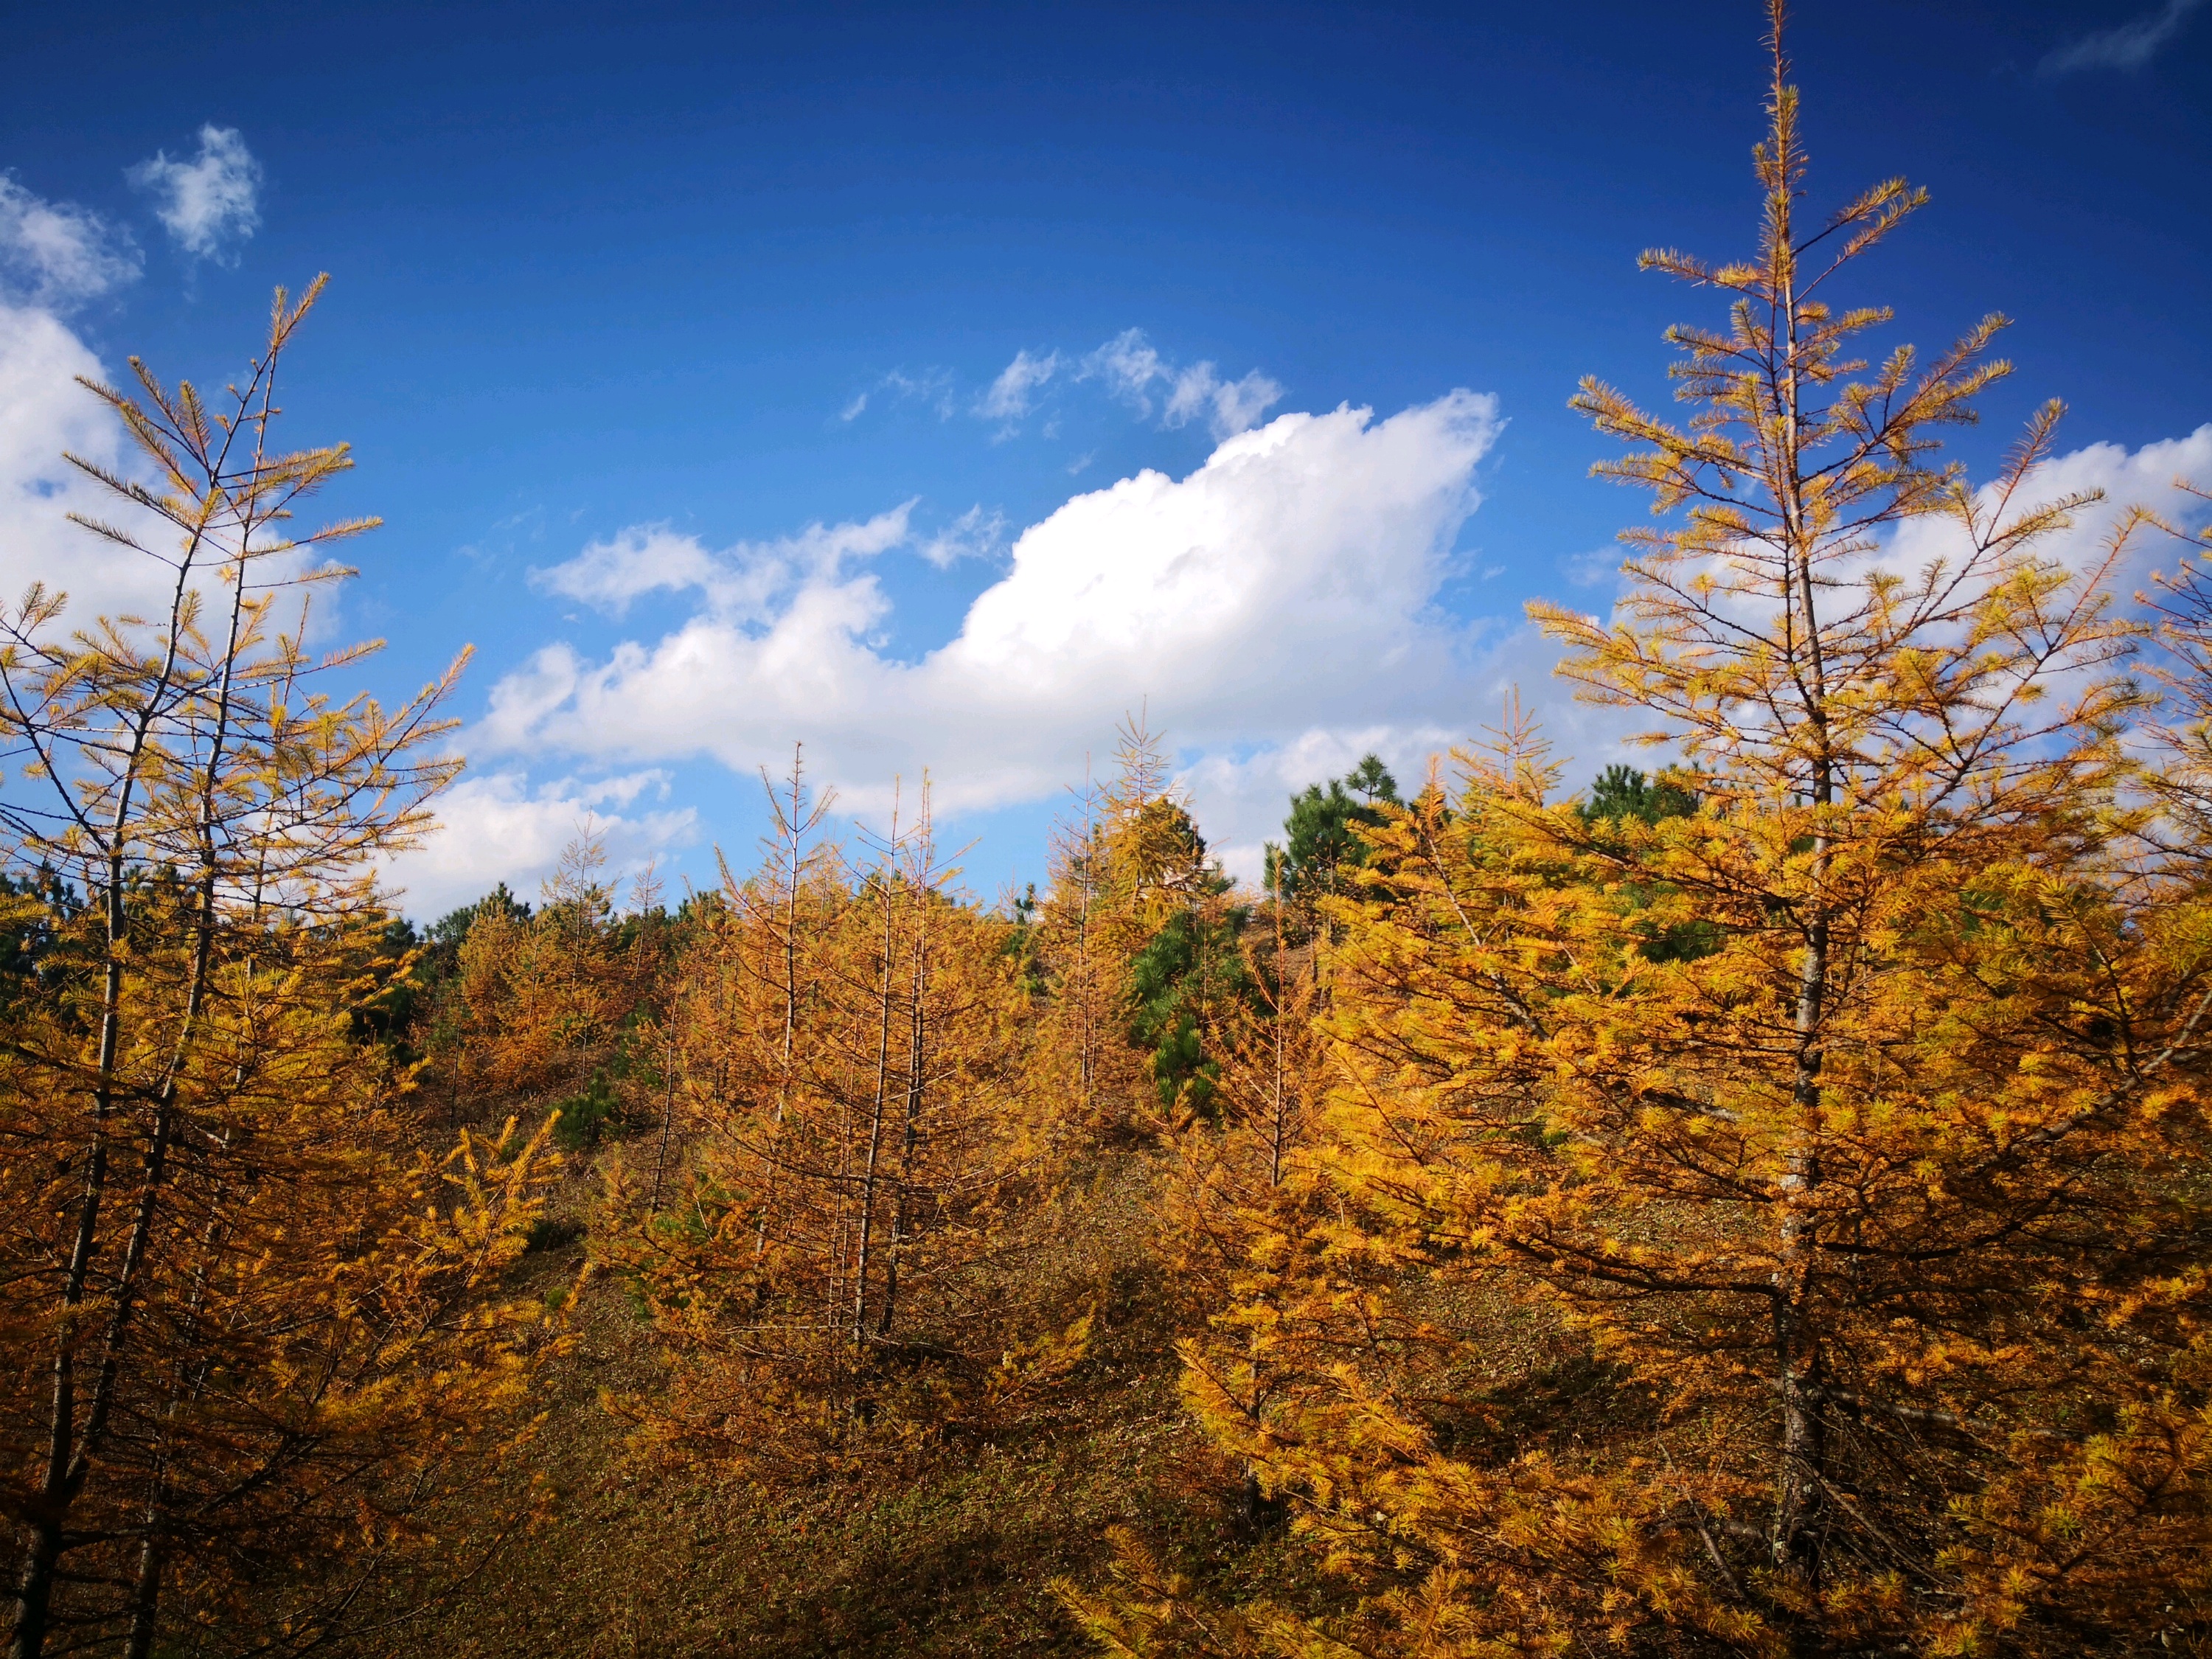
<point>642,559</point>
<point>1230,406</point>
<point>2128,45</point>
<point>1274,609</point>
<point>43,411</point>
<point>2145,478</point>
<point>1278,596</point>
<point>55,255</point>
<point>2142,478</point>
<point>975,534</point>
<point>932,386</point>
<point>1013,394</point>
<point>1130,366</point>
<point>1128,363</point>
<point>494,827</point>
<point>210,200</point>
<point>739,582</point>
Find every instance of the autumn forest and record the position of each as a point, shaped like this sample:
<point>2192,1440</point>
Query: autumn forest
<point>1753,1202</point>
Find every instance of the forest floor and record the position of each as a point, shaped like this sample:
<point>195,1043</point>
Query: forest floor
<point>955,1556</point>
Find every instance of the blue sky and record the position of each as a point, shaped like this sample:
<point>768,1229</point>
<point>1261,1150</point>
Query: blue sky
<point>625,299</point>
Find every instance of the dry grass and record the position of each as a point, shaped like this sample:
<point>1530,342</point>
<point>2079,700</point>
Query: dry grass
<point>954,1556</point>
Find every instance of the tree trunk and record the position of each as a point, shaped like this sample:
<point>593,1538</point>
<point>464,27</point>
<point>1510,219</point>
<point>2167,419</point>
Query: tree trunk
<point>917,1063</point>
<point>145,1598</point>
<point>879,1110</point>
<point>1799,1485</point>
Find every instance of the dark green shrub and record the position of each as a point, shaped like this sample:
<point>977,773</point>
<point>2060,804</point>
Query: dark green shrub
<point>586,1118</point>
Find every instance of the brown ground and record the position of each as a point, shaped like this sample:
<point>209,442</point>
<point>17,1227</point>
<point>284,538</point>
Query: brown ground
<point>954,1558</point>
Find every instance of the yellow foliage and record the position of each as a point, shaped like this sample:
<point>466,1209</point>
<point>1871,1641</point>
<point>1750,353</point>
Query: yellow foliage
<point>855,1127</point>
<point>1840,1135</point>
<point>246,1330</point>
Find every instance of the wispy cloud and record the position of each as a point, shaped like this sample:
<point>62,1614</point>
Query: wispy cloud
<point>975,534</point>
<point>1013,394</point>
<point>1597,566</point>
<point>209,201</point>
<point>932,386</point>
<point>1132,368</point>
<point>57,255</point>
<point>1230,406</point>
<point>2127,46</point>
<point>503,537</point>
<point>1128,364</point>
<point>1132,371</point>
<point>738,582</point>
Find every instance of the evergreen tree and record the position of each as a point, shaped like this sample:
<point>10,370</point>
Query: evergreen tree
<point>1622,792</point>
<point>1323,831</point>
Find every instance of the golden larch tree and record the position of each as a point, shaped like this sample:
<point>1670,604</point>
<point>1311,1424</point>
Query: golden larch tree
<point>243,1326</point>
<point>856,1130</point>
<point>1847,1124</point>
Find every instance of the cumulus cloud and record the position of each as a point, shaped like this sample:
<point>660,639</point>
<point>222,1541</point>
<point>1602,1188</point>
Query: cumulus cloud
<point>53,256</point>
<point>208,200</point>
<point>2128,45</point>
<point>1274,609</point>
<point>2148,477</point>
<point>2142,478</point>
<point>2119,479</point>
<point>1280,595</point>
<point>495,827</point>
<point>56,256</point>
<point>44,411</point>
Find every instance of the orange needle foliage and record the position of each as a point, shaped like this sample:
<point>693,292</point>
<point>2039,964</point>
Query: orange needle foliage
<point>243,1328</point>
<point>1846,1133</point>
<point>851,1057</point>
<point>1127,860</point>
<point>540,1001</point>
